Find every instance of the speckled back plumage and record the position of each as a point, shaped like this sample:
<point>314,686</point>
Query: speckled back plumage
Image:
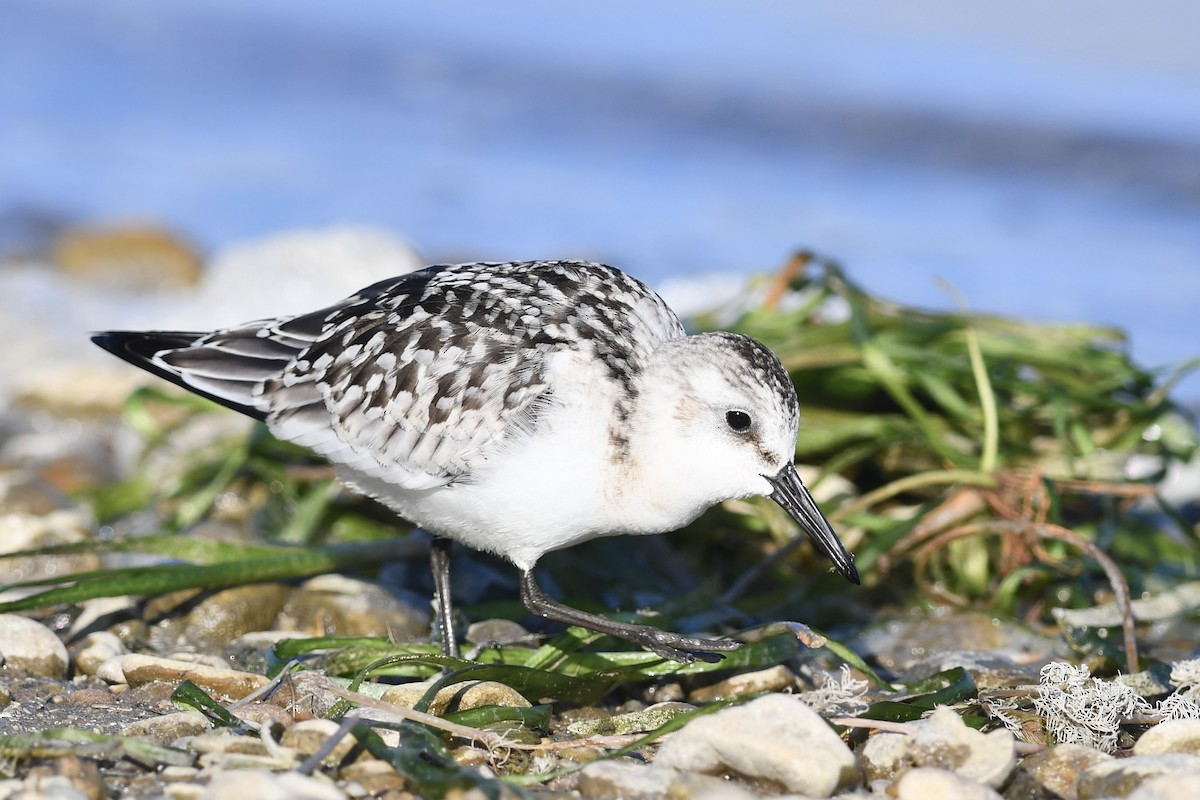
<point>415,379</point>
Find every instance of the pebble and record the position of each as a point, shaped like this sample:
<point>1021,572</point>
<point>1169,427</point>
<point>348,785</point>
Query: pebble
<point>135,670</point>
<point>773,738</point>
<point>502,632</point>
<point>1170,736</point>
<point>311,735</point>
<point>335,605</point>
<point>902,644</point>
<point>930,783</point>
<point>1055,771</point>
<point>627,780</point>
<point>1121,777</point>
<point>167,728</point>
<point>95,649</point>
<point>773,679</point>
<point>32,647</point>
<point>263,785</point>
<point>225,615</point>
<point>941,741</point>
<point>643,721</point>
<point>944,741</point>
<point>20,532</point>
<point>372,779</point>
<point>459,697</point>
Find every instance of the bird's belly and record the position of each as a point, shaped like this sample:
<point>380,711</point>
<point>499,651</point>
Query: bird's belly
<point>521,505</point>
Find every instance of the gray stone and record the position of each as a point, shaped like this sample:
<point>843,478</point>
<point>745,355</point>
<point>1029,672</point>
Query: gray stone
<point>1120,777</point>
<point>95,649</point>
<point>885,756</point>
<point>944,741</point>
<point>335,605</point>
<point>1164,787</point>
<point>227,614</point>
<point>772,679</point>
<point>1055,771</point>
<point>311,735</point>
<point>459,697</point>
<point>1170,736</point>
<point>627,780</point>
<point>261,784</point>
<point>32,647</point>
<point>775,738</point>
<point>941,741</point>
<point>169,727</point>
<point>929,783</point>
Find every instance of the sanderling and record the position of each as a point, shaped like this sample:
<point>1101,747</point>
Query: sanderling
<point>518,408</point>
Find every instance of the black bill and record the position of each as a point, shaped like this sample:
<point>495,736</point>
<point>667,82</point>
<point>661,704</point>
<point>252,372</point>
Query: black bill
<point>796,500</point>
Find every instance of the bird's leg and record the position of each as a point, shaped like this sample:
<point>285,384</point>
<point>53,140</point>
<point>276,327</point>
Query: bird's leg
<point>674,646</point>
<point>439,563</point>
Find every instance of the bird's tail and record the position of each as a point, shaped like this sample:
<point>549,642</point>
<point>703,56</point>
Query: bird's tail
<point>227,367</point>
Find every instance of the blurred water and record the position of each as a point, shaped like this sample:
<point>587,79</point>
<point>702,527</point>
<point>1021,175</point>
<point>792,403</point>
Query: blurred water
<point>1042,158</point>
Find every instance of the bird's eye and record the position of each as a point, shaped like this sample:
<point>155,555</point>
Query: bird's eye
<point>738,420</point>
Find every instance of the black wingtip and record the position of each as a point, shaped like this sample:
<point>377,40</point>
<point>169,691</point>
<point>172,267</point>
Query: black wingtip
<point>140,347</point>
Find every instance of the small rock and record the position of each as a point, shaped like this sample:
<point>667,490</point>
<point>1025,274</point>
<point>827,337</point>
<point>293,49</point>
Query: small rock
<point>136,670</point>
<point>1170,736</point>
<point>1055,771</point>
<point>22,491</point>
<point>229,613</point>
<point>459,697</point>
<point>1164,787</point>
<point>224,742</point>
<point>335,605</point>
<point>31,647</point>
<point>141,257</point>
<point>177,774</point>
<point>774,738</point>
<point>169,727</point>
<point>944,741</point>
<point>698,786</point>
<point>95,649</point>
<point>647,719</point>
<point>264,785</point>
<point>114,614</point>
<point>643,721</point>
<point>624,780</point>
<point>885,756</point>
<point>773,679</point>
<point>930,783</point>
<point>264,714</point>
<point>310,736</point>
<point>306,695</point>
<point>36,786</point>
<point>901,644</point>
<point>502,632</point>
<point>1120,777</point>
<point>941,741</point>
<point>29,531</point>
<point>374,778</point>
<point>82,776</point>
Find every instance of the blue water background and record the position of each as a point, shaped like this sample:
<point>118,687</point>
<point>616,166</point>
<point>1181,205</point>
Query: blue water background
<point>1043,156</point>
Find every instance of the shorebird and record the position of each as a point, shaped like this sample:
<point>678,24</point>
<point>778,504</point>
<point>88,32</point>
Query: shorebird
<point>517,408</point>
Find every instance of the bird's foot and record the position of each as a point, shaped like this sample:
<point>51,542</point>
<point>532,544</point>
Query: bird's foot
<point>677,647</point>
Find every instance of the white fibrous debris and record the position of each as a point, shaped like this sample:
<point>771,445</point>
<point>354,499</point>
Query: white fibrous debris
<point>839,695</point>
<point>1079,709</point>
<point>1185,677</point>
<point>1179,706</point>
<point>1003,709</point>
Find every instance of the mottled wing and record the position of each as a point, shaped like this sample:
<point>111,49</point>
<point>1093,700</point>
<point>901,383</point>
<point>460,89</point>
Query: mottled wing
<point>418,381</point>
